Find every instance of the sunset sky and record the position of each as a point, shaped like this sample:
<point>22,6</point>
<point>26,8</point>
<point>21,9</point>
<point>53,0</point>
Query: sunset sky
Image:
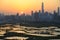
<point>14,6</point>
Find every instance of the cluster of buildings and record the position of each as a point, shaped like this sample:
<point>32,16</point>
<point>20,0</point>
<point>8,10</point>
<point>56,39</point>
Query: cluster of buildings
<point>45,16</point>
<point>37,16</point>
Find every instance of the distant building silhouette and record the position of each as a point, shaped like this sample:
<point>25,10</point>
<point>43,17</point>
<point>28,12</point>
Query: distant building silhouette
<point>32,14</point>
<point>39,11</point>
<point>42,7</point>
<point>17,14</point>
<point>58,10</point>
<point>37,16</point>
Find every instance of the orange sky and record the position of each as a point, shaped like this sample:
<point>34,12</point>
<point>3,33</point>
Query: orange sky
<point>26,6</point>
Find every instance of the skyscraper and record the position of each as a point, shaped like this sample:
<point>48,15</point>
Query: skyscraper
<point>17,14</point>
<point>58,10</point>
<point>42,7</point>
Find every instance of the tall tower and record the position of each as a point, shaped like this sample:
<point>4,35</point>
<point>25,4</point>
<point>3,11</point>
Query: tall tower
<point>42,7</point>
<point>58,7</point>
<point>58,10</point>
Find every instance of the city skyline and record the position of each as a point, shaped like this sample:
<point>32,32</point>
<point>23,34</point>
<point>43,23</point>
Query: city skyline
<point>21,6</point>
<point>36,16</point>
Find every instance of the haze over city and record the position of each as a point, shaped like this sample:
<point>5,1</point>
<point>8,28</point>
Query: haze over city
<point>29,19</point>
<point>26,6</point>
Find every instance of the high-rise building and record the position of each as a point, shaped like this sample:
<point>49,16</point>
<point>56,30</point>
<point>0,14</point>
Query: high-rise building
<point>58,10</point>
<point>39,11</point>
<point>36,16</point>
<point>17,14</point>
<point>32,14</point>
<point>55,13</point>
<point>42,7</point>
